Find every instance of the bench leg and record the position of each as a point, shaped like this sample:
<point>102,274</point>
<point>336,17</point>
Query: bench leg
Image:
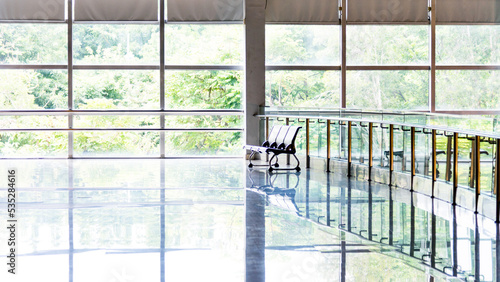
<point>250,158</point>
<point>297,168</point>
<point>271,162</point>
<point>271,167</point>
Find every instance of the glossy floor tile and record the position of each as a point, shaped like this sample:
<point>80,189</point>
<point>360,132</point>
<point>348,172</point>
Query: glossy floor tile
<point>215,220</point>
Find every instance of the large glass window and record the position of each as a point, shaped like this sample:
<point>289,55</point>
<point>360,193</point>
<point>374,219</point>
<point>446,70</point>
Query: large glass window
<point>116,144</point>
<point>302,45</point>
<point>206,89</point>
<point>290,47</point>
<point>116,89</point>
<point>467,45</point>
<point>467,89</point>
<point>116,44</point>
<point>203,44</point>
<point>218,143</point>
<point>396,90</point>
<point>387,45</point>
<point>33,44</point>
<point>115,67</point>
<point>33,89</point>
<point>302,88</point>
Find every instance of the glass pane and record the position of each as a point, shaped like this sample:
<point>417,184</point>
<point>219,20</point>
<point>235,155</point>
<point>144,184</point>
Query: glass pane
<point>33,44</point>
<point>467,90</point>
<point>33,89</point>
<point>203,89</point>
<point>337,137</point>
<point>395,90</point>
<point>116,143</point>
<point>203,143</point>
<point>34,144</point>
<point>116,44</point>
<point>302,44</point>
<point>202,44</point>
<point>112,121</point>
<point>116,89</point>
<point>303,88</point>
<point>465,44</point>
<point>423,153</point>
<point>220,121</point>
<point>387,45</point>
<point>33,121</point>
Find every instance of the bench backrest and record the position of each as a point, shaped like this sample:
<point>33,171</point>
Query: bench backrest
<point>282,136</point>
<point>274,133</point>
<point>291,135</point>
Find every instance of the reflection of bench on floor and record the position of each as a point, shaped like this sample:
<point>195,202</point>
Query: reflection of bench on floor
<point>280,197</point>
<point>281,141</point>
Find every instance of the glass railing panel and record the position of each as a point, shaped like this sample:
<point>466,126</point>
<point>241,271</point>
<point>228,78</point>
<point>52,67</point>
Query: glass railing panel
<point>423,152</point>
<point>487,169</point>
<point>318,138</point>
<point>400,139</point>
<point>465,148</point>
<point>378,146</point>
<point>444,156</point>
<point>336,140</point>
<point>300,140</point>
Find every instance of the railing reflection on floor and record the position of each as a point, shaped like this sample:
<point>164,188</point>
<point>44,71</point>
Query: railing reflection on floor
<point>446,238</point>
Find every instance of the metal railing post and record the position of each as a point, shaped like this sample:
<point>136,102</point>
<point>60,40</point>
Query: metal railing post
<point>447,176</point>
<point>455,167</point>
<point>288,155</point>
<point>370,150</point>
<point>497,180</point>
<point>413,158</point>
<point>328,145</point>
<point>349,148</point>
<point>267,136</point>
<point>308,153</point>
<point>434,161</point>
<point>391,152</point>
<point>477,164</point>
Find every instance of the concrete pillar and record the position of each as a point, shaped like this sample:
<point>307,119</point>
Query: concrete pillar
<point>255,67</point>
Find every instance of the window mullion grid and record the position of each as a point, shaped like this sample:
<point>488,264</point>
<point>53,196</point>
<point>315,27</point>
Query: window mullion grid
<point>432,57</point>
<point>343,55</point>
<point>70,78</point>
<point>162,77</point>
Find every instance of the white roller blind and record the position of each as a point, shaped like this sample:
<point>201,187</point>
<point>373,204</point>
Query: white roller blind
<point>32,10</point>
<point>387,11</point>
<point>468,11</point>
<point>116,10</point>
<point>204,10</point>
<point>302,11</point>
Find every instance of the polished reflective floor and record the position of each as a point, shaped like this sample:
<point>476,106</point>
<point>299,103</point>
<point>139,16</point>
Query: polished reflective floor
<point>215,220</point>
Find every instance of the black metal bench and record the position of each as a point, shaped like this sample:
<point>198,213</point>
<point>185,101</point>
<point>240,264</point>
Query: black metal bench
<point>281,141</point>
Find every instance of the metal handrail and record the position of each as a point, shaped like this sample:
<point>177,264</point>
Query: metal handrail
<point>429,127</point>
